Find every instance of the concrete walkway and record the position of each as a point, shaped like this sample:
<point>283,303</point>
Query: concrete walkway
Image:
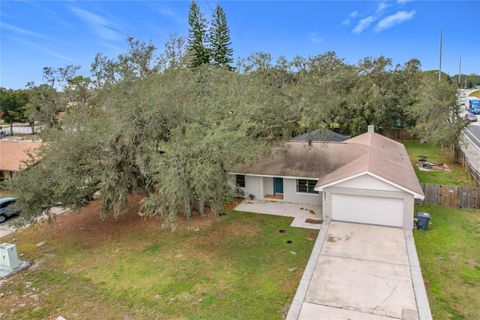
<point>301,212</point>
<point>361,272</point>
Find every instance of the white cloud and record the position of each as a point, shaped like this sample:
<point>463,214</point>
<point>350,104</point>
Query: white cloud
<point>103,27</point>
<point>394,19</point>
<point>23,31</point>
<point>363,24</point>
<point>382,5</point>
<point>43,49</point>
<point>315,38</point>
<point>402,1</point>
<point>347,21</point>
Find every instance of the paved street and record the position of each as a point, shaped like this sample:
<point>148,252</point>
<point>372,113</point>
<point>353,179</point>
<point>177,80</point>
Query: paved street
<point>20,129</point>
<point>472,133</point>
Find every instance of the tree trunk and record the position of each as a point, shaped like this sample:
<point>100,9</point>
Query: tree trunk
<point>32,124</point>
<point>201,207</point>
<point>187,207</point>
<point>11,128</point>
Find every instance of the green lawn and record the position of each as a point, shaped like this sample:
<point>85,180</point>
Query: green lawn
<point>450,258</point>
<point>238,266</point>
<point>457,176</point>
<point>475,94</point>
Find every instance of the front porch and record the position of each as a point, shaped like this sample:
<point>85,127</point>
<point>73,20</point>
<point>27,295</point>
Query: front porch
<point>306,215</point>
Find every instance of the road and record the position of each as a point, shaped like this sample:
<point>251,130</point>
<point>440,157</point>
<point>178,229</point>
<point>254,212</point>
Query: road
<point>22,130</point>
<point>472,133</point>
<point>463,107</point>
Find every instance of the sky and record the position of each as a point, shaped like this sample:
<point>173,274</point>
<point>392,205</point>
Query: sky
<point>35,34</point>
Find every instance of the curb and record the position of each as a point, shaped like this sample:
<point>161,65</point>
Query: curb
<point>299,298</point>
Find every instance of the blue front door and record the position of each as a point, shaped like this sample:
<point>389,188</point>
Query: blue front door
<point>277,185</point>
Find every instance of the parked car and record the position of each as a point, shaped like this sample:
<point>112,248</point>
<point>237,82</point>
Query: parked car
<point>471,117</point>
<point>7,208</point>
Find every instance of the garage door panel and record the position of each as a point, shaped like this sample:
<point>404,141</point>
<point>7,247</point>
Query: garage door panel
<point>367,209</point>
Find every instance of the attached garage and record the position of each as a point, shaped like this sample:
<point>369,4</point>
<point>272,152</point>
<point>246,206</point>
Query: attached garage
<point>367,209</point>
<point>368,199</point>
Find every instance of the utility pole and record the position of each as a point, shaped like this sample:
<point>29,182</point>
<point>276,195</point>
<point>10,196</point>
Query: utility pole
<point>460,72</point>
<point>440,64</point>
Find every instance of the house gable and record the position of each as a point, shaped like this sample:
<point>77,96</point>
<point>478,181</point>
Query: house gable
<point>367,181</point>
<point>370,183</point>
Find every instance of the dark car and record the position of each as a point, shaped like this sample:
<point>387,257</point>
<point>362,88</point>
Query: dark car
<point>7,208</point>
<point>471,117</point>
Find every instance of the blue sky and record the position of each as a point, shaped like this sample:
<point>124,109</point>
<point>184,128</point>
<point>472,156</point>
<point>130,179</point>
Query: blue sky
<point>34,34</point>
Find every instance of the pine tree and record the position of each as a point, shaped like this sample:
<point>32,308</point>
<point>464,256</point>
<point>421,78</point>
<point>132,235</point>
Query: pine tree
<point>197,37</point>
<point>222,53</point>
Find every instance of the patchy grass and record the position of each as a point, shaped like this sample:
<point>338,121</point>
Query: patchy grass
<point>449,254</point>
<point>475,94</point>
<point>456,177</point>
<point>230,267</point>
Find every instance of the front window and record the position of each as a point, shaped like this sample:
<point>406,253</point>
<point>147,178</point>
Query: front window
<point>306,186</point>
<point>240,180</point>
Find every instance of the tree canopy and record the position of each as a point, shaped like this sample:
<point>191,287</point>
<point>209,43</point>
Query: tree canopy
<point>146,122</point>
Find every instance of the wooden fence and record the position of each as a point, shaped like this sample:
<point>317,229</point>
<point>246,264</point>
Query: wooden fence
<point>450,196</point>
<point>467,165</point>
<point>399,134</point>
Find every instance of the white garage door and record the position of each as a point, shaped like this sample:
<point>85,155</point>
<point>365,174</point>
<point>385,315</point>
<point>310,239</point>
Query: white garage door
<point>365,209</point>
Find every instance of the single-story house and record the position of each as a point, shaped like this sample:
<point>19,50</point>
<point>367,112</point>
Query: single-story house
<point>321,135</point>
<point>365,179</point>
<point>13,155</point>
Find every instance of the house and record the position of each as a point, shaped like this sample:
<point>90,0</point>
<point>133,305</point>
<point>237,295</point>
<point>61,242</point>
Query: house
<point>13,155</point>
<point>365,179</point>
<point>321,135</point>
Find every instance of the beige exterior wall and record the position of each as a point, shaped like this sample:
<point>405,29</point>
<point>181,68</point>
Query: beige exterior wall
<point>372,194</point>
<point>367,182</point>
<point>261,186</point>
<point>290,194</point>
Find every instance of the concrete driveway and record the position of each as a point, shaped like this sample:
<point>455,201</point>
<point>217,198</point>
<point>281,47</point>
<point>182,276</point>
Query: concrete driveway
<point>360,272</point>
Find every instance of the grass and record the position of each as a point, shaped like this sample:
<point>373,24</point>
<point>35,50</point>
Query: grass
<point>450,259</point>
<point>238,266</point>
<point>456,177</point>
<point>475,93</point>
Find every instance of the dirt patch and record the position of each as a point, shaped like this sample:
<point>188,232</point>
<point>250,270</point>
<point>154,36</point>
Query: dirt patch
<point>332,238</point>
<point>291,283</point>
<point>235,203</point>
<point>242,230</point>
<point>87,224</point>
<point>314,221</point>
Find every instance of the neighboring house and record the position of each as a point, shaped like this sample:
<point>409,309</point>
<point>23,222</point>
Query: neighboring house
<point>321,135</point>
<point>366,179</point>
<point>13,154</point>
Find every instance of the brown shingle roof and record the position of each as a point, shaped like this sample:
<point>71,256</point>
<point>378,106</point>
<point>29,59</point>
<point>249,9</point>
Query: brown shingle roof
<point>384,157</point>
<point>14,153</point>
<point>298,159</point>
<point>331,162</point>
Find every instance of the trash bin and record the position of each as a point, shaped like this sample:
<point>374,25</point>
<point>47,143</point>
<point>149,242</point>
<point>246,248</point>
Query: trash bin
<point>423,220</point>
